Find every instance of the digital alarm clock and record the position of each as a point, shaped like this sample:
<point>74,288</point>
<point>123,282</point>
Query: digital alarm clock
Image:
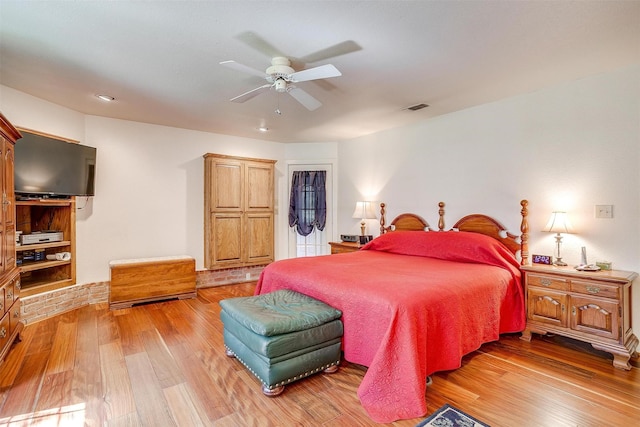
<point>542,259</point>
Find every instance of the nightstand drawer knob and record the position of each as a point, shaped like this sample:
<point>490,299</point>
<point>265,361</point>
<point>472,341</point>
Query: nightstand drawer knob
<point>573,310</point>
<point>545,282</point>
<point>593,289</point>
<point>3,332</point>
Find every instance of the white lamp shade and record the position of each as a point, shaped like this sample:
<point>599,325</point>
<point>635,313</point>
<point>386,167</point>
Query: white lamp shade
<point>558,223</point>
<point>364,210</point>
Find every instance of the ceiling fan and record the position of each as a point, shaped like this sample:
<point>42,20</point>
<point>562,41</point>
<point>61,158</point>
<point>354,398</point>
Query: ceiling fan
<point>281,76</point>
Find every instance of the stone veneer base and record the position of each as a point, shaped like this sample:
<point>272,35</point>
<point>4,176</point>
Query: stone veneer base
<point>229,276</point>
<point>49,304</point>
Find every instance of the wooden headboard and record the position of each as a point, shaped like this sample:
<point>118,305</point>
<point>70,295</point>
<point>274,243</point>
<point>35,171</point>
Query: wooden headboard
<point>475,223</point>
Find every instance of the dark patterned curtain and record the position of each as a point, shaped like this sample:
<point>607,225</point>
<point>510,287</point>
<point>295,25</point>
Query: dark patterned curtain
<point>308,201</point>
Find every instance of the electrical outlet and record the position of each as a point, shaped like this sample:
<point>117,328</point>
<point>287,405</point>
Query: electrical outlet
<point>604,211</point>
<point>248,276</point>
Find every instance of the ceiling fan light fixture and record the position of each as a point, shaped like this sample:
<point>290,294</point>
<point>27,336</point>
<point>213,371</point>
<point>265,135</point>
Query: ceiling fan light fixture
<point>280,85</point>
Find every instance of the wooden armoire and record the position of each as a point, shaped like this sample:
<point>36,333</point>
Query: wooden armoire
<point>10,324</point>
<point>239,211</point>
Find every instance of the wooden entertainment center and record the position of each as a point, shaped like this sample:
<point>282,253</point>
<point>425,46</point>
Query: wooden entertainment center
<point>38,214</point>
<point>47,214</point>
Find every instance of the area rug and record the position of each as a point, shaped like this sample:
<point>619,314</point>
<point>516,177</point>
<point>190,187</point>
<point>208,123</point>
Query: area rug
<point>448,416</point>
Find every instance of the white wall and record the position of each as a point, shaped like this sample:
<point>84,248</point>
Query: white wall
<point>29,112</point>
<point>568,147</point>
<point>150,191</point>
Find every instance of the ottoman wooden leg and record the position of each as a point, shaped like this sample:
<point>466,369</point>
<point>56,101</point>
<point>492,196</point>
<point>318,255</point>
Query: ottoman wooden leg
<point>272,392</point>
<point>331,369</point>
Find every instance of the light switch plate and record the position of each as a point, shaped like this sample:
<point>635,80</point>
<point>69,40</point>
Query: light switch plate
<point>604,211</point>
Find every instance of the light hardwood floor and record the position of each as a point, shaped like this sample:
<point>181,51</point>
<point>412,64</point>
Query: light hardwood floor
<point>163,364</point>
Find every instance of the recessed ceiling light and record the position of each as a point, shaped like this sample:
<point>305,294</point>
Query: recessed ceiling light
<point>417,107</point>
<point>106,98</point>
<point>263,129</point>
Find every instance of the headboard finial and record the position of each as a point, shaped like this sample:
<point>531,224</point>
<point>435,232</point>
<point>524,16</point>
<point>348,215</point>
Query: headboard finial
<point>524,233</point>
<point>441,216</point>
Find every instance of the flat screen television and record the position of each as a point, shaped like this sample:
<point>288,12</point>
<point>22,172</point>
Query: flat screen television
<point>49,167</point>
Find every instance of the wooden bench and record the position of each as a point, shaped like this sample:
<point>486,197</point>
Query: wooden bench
<point>141,280</point>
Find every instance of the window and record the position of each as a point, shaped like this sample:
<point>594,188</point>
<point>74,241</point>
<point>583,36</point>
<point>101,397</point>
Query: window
<point>308,204</point>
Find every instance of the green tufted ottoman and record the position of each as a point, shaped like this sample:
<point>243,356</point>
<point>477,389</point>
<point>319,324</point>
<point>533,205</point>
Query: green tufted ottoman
<point>282,336</point>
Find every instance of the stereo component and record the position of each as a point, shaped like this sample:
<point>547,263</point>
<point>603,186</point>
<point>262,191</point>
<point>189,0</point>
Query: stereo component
<point>41,237</point>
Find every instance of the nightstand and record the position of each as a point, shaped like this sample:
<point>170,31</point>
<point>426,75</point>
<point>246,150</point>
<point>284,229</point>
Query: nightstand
<point>593,307</point>
<point>343,247</point>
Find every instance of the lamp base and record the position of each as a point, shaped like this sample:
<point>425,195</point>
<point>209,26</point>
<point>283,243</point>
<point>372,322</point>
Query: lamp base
<point>363,225</point>
<point>558,260</point>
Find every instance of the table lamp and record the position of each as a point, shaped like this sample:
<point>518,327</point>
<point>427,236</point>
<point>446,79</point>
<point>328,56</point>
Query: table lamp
<point>364,211</point>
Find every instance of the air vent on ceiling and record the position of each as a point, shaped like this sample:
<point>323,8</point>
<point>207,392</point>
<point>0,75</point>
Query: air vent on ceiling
<point>417,107</point>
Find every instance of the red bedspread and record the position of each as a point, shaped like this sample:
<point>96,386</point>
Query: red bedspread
<point>413,303</point>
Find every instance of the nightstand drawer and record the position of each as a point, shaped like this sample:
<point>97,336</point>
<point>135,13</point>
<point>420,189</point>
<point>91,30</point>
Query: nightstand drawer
<point>548,282</point>
<point>595,288</point>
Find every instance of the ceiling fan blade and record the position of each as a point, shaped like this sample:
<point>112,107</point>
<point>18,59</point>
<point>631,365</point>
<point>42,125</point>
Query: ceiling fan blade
<point>321,72</point>
<point>243,68</point>
<point>258,43</point>
<point>252,93</point>
<point>309,102</point>
<point>343,48</point>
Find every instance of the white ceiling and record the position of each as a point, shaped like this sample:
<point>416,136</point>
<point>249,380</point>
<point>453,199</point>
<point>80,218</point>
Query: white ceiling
<point>160,59</point>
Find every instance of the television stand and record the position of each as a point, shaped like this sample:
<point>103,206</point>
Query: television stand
<point>44,275</point>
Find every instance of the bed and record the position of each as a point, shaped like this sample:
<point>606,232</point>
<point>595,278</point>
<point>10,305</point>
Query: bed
<point>415,300</point>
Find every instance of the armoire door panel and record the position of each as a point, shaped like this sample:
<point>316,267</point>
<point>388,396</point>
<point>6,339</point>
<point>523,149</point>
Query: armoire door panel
<point>8,208</point>
<point>260,237</point>
<point>259,186</point>
<point>227,230</point>
<point>228,190</point>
